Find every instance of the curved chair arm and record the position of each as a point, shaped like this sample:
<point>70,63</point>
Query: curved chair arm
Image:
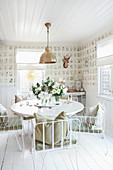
<point>92,121</point>
<point>78,121</point>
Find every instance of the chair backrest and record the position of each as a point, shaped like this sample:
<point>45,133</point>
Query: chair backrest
<point>94,121</point>
<point>64,134</point>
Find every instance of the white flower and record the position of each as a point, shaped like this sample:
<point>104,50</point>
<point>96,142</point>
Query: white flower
<point>43,93</point>
<point>50,83</point>
<point>53,91</point>
<point>36,91</point>
<point>39,88</point>
<point>39,95</point>
<point>58,91</point>
<point>57,84</point>
<point>54,86</point>
<point>63,86</point>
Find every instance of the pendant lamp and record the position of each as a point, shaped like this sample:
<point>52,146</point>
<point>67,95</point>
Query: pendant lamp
<point>47,57</point>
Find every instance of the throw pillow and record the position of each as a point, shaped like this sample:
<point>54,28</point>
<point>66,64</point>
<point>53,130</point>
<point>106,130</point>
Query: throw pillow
<point>92,113</point>
<point>100,115</point>
<point>19,98</point>
<point>48,129</point>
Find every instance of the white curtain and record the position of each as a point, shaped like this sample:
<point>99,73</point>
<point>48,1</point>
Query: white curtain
<point>31,66</point>
<point>28,59</point>
<point>105,52</point>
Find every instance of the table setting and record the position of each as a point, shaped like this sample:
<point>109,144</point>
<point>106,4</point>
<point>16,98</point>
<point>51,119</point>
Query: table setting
<point>47,102</point>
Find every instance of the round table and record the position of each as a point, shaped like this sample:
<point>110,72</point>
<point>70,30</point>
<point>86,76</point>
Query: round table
<point>27,108</point>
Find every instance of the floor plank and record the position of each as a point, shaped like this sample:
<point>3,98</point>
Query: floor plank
<point>14,157</point>
<point>89,155</point>
<point>3,148</point>
<point>94,150</point>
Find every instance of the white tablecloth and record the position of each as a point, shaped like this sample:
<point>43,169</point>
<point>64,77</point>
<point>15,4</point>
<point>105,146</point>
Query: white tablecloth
<point>23,109</point>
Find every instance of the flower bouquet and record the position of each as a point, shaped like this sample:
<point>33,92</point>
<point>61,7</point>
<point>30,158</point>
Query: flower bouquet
<point>58,91</point>
<point>37,90</point>
<point>48,84</point>
<point>49,87</point>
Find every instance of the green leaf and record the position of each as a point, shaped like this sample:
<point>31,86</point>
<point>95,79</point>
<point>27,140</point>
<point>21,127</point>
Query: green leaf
<point>38,85</point>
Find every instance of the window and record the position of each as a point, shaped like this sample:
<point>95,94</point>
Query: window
<point>105,67</point>
<point>23,82</point>
<point>105,80</point>
<point>28,57</point>
<point>28,71</point>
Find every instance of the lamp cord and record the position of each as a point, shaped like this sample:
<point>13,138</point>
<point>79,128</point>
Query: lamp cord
<point>47,37</point>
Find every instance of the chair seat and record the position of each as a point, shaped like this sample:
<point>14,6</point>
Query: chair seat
<point>66,142</point>
<point>85,128</point>
<point>12,123</point>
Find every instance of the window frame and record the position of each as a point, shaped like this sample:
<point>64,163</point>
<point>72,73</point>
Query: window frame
<point>100,92</point>
<point>18,81</point>
<point>27,66</point>
<point>104,60</point>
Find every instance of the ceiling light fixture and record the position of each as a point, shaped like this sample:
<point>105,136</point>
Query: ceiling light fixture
<point>47,57</point>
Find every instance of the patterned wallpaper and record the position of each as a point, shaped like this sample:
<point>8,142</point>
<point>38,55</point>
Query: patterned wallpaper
<point>87,60</point>
<point>7,66</point>
<point>82,64</point>
<point>57,71</point>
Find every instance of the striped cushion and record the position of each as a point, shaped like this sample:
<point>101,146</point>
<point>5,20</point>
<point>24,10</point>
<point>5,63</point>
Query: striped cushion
<point>85,128</point>
<point>13,123</point>
<point>66,142</point>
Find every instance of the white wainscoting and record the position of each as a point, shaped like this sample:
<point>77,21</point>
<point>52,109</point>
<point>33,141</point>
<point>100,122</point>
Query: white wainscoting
<point>7,96</point>
<point>92,98</point>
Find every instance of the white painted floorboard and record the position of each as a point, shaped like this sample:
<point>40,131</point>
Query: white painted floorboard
<point>89,153</point>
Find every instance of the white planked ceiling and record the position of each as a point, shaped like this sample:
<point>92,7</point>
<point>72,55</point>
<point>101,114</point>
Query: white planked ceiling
<point>73,21</point>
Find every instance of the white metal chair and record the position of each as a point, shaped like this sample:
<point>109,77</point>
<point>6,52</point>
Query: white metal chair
<point>12,124</point>
<point>93,125</point>
<point>54,135</point>
<point>17,99</point>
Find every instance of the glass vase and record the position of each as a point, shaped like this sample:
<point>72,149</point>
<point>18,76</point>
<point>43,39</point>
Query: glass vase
<point>57,98</point>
